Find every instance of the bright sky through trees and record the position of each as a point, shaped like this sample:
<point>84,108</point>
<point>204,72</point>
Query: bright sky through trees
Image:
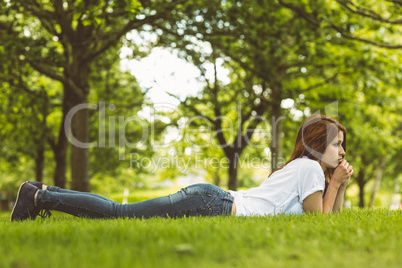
<point>163,71</point>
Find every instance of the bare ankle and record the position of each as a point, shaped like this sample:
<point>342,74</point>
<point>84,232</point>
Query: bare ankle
<point>44,187</point>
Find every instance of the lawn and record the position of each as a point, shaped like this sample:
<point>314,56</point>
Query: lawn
<point>353,238</point>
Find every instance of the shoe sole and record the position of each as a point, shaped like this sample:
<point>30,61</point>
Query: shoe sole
<point>16,201</point>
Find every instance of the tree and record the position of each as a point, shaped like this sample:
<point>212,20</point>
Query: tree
<point>374,27</point>
<point>368,109</point>
<point>232,118</point>
<point>25,108</point>
<point>354,19</point>
<point>275,51</point>
<point>119,99</point>
<point>61,39</point>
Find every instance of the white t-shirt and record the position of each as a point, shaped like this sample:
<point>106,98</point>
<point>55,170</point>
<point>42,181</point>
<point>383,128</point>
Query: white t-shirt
<point>283,192</point>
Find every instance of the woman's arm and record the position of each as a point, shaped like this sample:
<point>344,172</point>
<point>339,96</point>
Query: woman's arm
<point>314,202</point>
<point>330,197</point>
<point>340,197</point>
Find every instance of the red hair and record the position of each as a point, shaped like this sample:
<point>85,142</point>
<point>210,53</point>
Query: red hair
<point>315,134</point>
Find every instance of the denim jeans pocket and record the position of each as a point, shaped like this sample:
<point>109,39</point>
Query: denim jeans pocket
<point>209,193</point>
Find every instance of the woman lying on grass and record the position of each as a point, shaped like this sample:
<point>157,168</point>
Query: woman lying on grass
<point>313,180</point>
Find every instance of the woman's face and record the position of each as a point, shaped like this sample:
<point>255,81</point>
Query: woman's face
<point>334,153</point>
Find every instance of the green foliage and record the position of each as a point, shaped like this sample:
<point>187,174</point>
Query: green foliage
<point>310,53</point>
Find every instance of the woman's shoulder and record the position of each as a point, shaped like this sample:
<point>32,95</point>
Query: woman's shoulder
<point>305,163</point>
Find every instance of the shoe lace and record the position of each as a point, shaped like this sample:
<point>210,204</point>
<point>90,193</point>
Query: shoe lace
<point>44,213</point>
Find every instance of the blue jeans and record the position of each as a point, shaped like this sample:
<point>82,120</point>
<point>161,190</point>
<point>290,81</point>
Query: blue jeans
<point>194,200</point>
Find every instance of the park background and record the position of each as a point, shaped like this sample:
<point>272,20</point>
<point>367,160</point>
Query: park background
<point>141,97</point>
<point>176,92</point>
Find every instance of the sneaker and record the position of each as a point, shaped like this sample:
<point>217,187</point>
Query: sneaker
<point>37,184</point>
<point>24,207</point>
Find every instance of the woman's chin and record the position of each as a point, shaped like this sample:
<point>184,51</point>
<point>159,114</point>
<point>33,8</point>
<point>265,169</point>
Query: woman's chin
<point>333,165</point>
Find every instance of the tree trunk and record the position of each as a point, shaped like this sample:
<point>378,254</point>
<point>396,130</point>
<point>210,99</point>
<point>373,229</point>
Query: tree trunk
<point>233,163</point>
<point>60,157</point>
<point>78,72</point>
<point>40,150</point>
<point>377,180</point>
<point>39,163</point>
<point>60,150</point>
<point>80,156</point>
<point>361,182</point>
<point>217,177</point>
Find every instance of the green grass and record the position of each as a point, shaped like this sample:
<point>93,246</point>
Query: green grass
<point>361,238</point>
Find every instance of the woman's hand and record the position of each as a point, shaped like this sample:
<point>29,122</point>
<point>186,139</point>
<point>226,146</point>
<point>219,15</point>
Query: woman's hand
<point>342,173</point>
